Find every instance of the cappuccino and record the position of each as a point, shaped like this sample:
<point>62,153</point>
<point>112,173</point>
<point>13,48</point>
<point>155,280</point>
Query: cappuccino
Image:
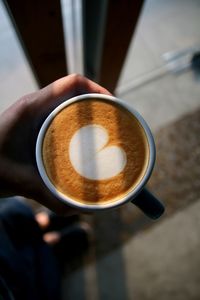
<point>95,151</point>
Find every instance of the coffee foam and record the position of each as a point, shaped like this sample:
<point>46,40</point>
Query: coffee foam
<point>90,155</point>
<point>116,129</point>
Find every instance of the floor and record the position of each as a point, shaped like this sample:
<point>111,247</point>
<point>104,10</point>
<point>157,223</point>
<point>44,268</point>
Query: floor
<point>133,257</point>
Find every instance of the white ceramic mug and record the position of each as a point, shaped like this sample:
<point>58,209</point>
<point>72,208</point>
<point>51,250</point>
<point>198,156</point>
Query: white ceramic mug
<point>139,196</point>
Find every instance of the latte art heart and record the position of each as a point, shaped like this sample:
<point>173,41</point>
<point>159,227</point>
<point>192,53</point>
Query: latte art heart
<point>91,157</point>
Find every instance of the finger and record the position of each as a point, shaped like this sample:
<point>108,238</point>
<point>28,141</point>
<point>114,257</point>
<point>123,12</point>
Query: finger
<point>42,195</point>
<point>74,85</point>
<point>25,181</point>
<point>46,198</point>
<point>67,87</point>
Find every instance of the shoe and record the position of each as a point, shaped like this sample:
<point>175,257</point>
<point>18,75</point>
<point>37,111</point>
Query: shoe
<point>73,244</point>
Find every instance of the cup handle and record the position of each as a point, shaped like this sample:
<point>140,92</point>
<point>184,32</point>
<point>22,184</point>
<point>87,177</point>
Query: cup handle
<point>148,203</point>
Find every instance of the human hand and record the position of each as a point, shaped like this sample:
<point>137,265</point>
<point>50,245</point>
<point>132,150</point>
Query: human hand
<point>19,127</point>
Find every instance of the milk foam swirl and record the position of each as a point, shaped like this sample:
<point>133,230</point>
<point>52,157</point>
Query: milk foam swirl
<point>91,155</point>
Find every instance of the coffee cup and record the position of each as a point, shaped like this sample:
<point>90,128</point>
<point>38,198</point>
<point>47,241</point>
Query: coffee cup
<point>95,152</point>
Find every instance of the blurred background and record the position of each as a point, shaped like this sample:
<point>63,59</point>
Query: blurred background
<point>147,53</point>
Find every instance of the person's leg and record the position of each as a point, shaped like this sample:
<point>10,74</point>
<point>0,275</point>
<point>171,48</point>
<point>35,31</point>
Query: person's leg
<point>27,264</point>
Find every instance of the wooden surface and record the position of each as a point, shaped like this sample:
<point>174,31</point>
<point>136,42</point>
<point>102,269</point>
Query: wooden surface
<point>39,25</point>
<point>122,17</point>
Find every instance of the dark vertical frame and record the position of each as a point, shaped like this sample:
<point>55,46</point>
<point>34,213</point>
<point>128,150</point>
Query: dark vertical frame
<point>121,21</point>
<point>94,21</point>
<point>39,27</point>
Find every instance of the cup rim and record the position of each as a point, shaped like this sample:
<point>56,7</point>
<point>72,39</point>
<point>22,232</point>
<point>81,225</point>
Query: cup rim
<point>74,203</point>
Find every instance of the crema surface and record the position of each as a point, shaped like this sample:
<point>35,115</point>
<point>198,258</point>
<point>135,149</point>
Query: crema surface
<point>95,151</point>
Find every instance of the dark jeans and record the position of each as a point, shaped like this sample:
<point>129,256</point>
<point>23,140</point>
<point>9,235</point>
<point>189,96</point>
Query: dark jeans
<point>28,267</point>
